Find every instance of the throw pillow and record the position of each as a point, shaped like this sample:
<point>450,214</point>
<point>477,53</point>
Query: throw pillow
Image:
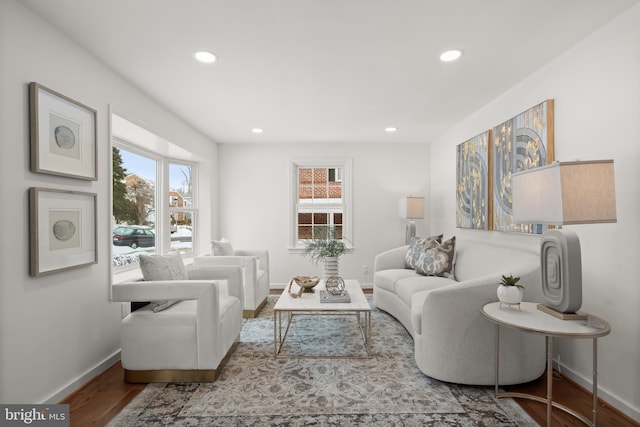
<point>437,260</point>
<point>162,267</point>
<point>221,248</point>
<point>416,247</point>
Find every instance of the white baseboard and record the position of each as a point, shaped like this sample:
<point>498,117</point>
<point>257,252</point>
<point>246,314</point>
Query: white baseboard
<point>624,407</point>
<point>83,379</point>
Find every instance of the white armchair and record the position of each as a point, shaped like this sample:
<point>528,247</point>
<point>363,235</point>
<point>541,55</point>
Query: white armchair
<point>191,340</point>
<point>255,271</point>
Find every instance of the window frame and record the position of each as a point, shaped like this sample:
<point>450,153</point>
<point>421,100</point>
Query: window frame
<point>162,199</point>
<point>296,245</point>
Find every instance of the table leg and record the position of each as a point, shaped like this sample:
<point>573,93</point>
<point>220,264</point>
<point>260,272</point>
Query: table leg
<point>595,381</point>
<point>549,378</point>
<point>497,357</point>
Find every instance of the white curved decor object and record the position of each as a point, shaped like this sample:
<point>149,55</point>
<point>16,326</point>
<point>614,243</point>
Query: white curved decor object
<point>561,269</point>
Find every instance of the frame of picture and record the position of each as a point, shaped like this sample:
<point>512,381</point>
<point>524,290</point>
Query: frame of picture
<point>63,135</point>
<point>62,230</point>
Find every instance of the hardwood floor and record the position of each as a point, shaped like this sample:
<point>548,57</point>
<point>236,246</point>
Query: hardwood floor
<point>105,396</point>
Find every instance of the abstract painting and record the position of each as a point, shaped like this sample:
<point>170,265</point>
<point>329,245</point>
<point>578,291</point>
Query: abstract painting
<point>521,143</point>
<point>473,207</point>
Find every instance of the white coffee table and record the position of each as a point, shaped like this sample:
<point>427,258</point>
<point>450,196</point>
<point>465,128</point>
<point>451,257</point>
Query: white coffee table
<point>309,304</point>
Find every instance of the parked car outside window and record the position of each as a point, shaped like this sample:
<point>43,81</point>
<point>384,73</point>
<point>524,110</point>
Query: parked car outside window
<point>134,236</point>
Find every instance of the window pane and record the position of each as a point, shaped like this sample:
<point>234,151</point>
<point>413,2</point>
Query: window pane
<point>304,232</point>
<point>134,206</point>
<point>180,185</point>
<point>182,227</point>
<point>320,218</point>
<point>304,218</point>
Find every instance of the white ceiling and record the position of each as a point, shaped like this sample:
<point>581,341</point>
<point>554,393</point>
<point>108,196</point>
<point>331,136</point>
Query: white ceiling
<point>326,70</point>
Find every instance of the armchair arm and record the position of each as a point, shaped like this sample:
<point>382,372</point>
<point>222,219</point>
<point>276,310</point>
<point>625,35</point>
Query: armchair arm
<point>162,290</point>
<point>391,259</point>
<point>262,256</point>
<point>249,265</point>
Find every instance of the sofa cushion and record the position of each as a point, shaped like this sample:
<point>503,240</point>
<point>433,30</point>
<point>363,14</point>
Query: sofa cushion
<point>417,246</point>
<point>405,288</point>
<point>386,279</point>
<point>417,304</point>
<point>438,260</point>
<point>221,248</point>
<point>162,267</point>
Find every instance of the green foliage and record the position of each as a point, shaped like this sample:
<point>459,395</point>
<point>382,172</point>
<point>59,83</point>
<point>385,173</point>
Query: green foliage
<point>123,211</point>
<point>510,281</point>
<point>326,245</point>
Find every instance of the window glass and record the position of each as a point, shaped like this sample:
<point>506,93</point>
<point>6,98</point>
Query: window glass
<point>134,206</point>
<point>181,207</point>
<point>320,202</point>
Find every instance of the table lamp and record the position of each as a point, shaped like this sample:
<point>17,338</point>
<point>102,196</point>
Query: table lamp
<point>411,208</point>
<point>558,194</point>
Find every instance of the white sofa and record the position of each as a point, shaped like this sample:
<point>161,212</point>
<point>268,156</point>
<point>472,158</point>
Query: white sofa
<point>453,341</point>
<point>255,271</point>
<point>191,340</point>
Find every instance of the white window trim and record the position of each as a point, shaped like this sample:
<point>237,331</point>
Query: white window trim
<point>163,242</point>
<point>347,184</point>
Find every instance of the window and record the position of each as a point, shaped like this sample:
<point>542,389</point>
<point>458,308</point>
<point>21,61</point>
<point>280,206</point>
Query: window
<point>181,212</point>
<point>151,213</point>
<point>321,199</point>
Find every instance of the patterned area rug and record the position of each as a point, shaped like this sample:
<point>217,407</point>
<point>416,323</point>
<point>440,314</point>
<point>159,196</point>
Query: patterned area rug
<point>256,389</point>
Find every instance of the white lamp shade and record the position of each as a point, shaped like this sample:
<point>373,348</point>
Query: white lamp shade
<point>411,208</point>
<point>565,193</point>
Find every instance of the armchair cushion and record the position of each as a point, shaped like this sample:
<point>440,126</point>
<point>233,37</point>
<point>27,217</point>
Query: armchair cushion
<point>162,267</point>
<point>221,248</point>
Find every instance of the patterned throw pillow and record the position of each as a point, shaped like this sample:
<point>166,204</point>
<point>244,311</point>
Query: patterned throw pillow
<point>162,267</point>
<point>416,247</point>
<point>221,248</point>
<point>437,260</point>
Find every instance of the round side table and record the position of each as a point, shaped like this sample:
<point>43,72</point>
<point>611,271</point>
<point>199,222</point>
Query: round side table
<point>532,320</point>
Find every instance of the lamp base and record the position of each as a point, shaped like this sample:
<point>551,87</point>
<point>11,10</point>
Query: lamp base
<point>578,315</point>
<point>410,232</point>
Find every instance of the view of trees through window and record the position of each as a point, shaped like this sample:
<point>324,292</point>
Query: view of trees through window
<point>138,199</point>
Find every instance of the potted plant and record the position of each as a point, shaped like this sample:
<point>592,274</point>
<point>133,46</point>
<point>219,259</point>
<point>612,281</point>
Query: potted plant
<point>326,247</point>
<point>509,290</point>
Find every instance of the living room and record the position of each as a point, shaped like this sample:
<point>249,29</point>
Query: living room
<point>60,330</point>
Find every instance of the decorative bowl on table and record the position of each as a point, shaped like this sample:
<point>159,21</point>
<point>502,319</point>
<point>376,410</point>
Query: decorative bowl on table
<point>305,283</point>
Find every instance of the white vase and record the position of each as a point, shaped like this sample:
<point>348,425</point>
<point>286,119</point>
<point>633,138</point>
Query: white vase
<point>510,294</point>
<point>330,267</point>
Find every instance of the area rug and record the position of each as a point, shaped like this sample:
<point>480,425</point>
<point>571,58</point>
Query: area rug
<point>257,389</point>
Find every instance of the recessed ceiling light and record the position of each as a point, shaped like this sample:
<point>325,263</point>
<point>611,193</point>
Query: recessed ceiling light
<point>390,129</point>
<point>257,130</point>
<point>206,57</point>
<point>450,55</point>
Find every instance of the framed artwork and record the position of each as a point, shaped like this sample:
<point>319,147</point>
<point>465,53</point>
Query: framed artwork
<point>521,143</point>
<point>62,230</point>
<point>63,135</point>
<point>473,202</point>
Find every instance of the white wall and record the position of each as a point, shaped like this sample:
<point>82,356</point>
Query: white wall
<point>596,87</point>
<point>58,330</point>
<point>254,199</point>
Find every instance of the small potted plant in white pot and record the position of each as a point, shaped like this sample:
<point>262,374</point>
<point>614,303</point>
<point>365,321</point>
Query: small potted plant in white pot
<point>510,291</point>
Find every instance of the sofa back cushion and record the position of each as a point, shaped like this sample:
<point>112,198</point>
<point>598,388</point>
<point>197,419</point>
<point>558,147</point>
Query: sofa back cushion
<point>474,259</point>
